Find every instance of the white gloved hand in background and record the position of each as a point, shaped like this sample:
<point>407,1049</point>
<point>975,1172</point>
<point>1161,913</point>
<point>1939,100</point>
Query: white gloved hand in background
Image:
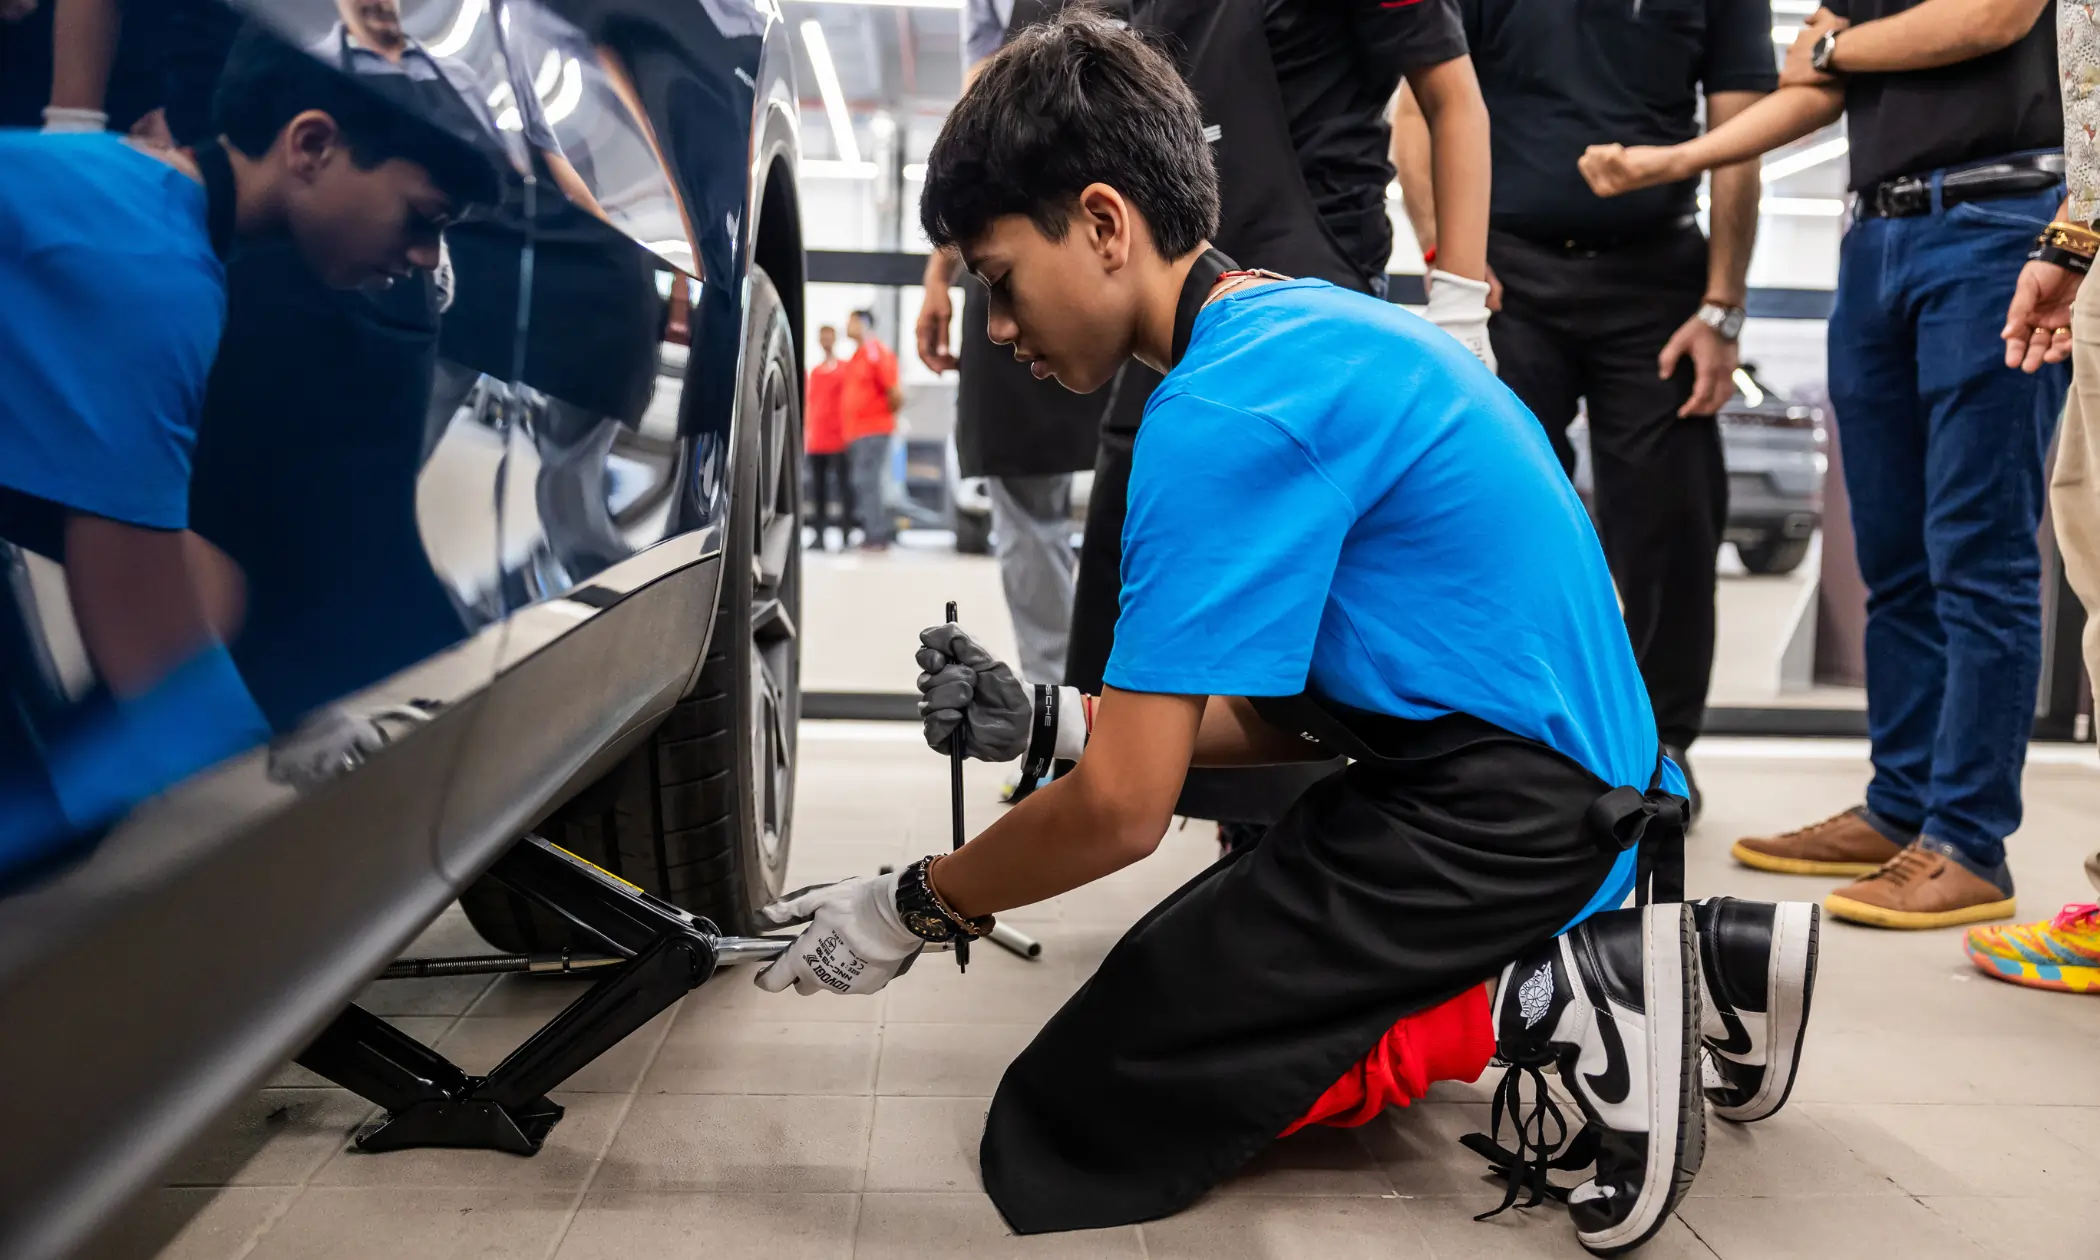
<point>856,941</point>
<point>1460,307</point>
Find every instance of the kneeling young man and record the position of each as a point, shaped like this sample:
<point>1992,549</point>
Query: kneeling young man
<point>1340,525</point>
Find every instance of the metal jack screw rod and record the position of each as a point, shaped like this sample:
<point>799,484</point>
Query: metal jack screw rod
<point>956,742</point>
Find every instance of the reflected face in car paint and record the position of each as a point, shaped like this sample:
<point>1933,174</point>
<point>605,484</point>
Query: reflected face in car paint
<point>357,225</point>
<point>1059,303</point>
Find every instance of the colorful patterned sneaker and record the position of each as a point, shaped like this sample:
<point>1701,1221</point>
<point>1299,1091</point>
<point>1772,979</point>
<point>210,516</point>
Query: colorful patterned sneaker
<point>2062,953</point>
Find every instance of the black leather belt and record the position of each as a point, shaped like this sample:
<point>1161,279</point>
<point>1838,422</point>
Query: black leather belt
<point>1908,195</point>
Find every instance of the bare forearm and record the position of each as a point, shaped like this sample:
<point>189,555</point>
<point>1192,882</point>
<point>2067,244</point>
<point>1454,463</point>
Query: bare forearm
<point>1233,734</point>
<point>943,266</point>
<point>1106,814</point>
<point>84,44</point>
<point>1461,163</point>
<point>1780,118</point>
<point>1735,193</point>
<point>1932,34</point>
<point>1410,153</point>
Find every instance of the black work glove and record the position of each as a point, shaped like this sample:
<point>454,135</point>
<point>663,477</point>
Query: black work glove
<point>961,677</point>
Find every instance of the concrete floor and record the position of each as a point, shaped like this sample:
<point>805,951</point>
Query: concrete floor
<point>1938,1113</point>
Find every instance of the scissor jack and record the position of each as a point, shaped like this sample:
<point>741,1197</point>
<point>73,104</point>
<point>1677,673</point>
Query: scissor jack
<point>655,954</point>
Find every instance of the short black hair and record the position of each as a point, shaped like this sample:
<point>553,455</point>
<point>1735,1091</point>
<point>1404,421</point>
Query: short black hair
<point>1070,102</point>
<point>266,83</point>
<point>865,315</point>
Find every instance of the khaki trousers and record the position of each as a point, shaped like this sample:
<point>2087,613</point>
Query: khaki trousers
<point>2074,489</point>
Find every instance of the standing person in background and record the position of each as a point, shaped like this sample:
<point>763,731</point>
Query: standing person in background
<point>1294,96</point>
<point>2047,323</point>
<point>869,398</point>
<point>824,440</point>
<point>1623,304</point>
<point>1025,436</point>
<point>1955,123</point>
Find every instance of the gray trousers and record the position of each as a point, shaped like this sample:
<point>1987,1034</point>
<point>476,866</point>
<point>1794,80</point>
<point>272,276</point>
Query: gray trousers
<point>1032,532</point>
<point>869,458</point>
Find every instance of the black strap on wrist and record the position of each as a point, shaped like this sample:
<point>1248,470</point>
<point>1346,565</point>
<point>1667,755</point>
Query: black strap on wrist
<point>2069,260</point>
<point>1042,744</point>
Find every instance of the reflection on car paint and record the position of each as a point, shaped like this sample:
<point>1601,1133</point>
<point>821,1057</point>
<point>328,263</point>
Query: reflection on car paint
<point>379,476</point>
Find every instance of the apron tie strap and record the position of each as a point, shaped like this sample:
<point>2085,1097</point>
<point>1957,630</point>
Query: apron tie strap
<point>1652,821</point>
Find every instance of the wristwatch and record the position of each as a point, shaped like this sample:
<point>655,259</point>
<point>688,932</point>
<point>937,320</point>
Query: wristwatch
<point>1826,48</point>
<point>926,916</point>
<point>1725,320</point>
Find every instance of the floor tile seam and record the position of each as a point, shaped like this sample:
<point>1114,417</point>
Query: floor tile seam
<point>612,1134</point>
<point>1696,1235</point>
<point>269,1222</point>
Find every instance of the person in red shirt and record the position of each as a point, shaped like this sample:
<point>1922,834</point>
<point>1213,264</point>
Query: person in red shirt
<point>868,402</point>
<point>825,443</point>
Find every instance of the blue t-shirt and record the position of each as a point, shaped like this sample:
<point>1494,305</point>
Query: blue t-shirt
<point>1329,488</point>
<point>111,303</point>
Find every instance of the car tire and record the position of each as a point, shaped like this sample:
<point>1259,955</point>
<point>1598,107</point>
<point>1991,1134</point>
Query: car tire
<point>1773,554</point>
<point>702,813</point>
<point>973,533</point>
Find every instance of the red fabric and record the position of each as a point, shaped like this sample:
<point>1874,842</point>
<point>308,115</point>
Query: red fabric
<point>822,432</point>
<point>864,402</point>
<point>1452,1042</point>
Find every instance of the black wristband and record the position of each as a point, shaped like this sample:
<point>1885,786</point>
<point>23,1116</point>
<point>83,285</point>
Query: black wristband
<point>2069,260</point>
<point>1042,744</point>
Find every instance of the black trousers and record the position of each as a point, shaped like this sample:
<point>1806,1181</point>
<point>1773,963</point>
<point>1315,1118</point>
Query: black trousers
<point>1587,325</point>
<point>830,493</point>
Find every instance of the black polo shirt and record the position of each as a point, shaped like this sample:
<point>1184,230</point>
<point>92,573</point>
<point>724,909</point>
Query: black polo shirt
<point>1338,63</point>
<point>1561,75</point>
<point>1914,121</point>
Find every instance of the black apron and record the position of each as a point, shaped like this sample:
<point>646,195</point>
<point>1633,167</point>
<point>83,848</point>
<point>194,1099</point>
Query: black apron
<point>1008,423</point>
<point>1390,887</point>
<point>1266,220</point>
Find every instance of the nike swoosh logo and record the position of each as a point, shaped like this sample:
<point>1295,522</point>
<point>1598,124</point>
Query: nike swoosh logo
<point>1738,1040</point>
<point>1612,1084</point>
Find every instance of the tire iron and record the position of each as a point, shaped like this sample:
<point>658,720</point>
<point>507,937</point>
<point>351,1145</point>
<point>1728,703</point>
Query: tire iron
<point>956,742</point>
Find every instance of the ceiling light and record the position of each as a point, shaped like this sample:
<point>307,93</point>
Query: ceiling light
<point>828,87</point>
<point>570,94</point>
<point>454,40</point>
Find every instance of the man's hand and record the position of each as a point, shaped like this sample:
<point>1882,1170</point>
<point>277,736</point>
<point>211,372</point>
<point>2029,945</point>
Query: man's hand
<point>1615,169</point>
<point>936,313</point>
<point>961,677</point>
<point>856,941</point>
<point>2038,323</point>
<point>1798,70</point>
<point>1713,358</point>
<point>1459,306</point>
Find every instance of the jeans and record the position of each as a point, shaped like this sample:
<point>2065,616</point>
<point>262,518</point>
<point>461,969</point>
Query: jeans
<point>1032,528</point>
<point>869,458</point>
<point>1943,448</point>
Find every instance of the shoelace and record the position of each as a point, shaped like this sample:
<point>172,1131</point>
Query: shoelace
<point>1525,1168</point>
<point>1908,863</point>
<point>1816,826</point>
<point>2076,915</point>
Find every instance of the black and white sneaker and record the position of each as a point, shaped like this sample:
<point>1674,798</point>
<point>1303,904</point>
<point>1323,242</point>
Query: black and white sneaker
<point>1614,1004</point>
<point>1758,967</point>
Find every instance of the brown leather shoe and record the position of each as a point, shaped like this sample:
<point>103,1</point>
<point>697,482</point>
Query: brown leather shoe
<point>1845,844</point>
<point>1922,887</point>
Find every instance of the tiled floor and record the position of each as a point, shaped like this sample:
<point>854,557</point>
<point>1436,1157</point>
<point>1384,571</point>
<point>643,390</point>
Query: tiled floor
<point>1938,1113</point>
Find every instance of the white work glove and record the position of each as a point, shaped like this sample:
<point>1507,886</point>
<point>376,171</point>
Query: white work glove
<point>856,942</point>
<point>1460,307</point>
<point>961,677</point>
